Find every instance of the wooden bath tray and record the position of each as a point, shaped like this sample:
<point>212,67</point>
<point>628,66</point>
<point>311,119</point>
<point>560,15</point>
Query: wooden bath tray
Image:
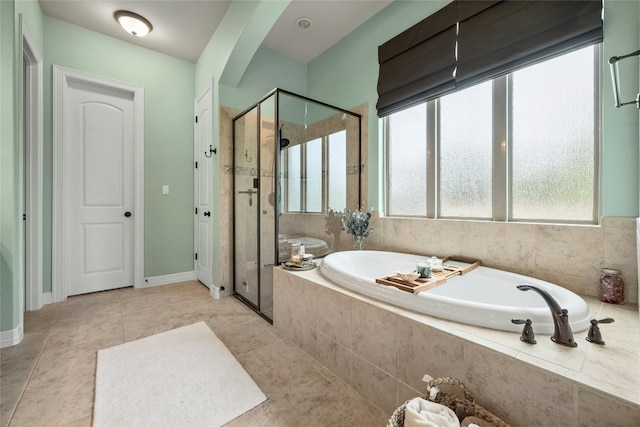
<point>436,279</point>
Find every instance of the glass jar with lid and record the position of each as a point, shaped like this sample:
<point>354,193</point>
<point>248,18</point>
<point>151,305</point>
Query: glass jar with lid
<point>435,264</point>
<point>611,286</point>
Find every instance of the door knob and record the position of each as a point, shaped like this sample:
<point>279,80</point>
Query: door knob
<point>127,214</point>
<point>207,213</point>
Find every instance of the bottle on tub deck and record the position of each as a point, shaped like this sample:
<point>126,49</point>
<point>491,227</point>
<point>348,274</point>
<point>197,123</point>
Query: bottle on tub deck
<point>296,250</point>
<point>611,286</point>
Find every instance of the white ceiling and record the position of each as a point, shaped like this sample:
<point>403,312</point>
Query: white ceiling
<point>332,21</point>
<point>182,28</point>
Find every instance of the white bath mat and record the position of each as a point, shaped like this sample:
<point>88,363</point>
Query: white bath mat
<point>184,377</point>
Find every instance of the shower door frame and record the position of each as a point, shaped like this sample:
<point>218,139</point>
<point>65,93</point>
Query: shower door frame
<point>255,306</point>
<point>276,224</point>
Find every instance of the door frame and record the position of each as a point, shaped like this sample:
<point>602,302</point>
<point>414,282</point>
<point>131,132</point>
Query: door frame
<point>31,158</point>
<point>61,78</point>
<point>208,88</point>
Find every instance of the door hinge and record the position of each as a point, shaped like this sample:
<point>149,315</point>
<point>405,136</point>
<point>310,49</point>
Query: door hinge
<point>196,165</point>
<point>196,256</point>
<point>24,217</point>
<point>196,119</point>
<point>196,211</point>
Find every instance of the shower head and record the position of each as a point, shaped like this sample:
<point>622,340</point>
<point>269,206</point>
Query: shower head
<point>284,142</point>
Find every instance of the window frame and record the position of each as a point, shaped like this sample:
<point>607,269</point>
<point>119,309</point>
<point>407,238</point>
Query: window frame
<point>502,149</point>
<point>325,176</point>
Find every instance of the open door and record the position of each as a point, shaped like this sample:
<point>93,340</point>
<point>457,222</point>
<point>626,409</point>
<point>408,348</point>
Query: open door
<point>203,183</point>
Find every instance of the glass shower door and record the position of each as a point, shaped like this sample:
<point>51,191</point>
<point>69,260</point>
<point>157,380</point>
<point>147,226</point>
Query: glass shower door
<point>245,207</point>
<point>296,162</point>
<point>268,167</point>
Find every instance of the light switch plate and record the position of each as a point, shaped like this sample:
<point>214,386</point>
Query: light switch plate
<point>165,189</point>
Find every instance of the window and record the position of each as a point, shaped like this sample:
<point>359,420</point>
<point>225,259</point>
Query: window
<point>465,152</point>
<point>313,176</point>
<point>337,159</point>
<point>554,164</point>
<point>316,174</point>
<point>407,161</point>
<point>522,147</point>
<point>294,175</point>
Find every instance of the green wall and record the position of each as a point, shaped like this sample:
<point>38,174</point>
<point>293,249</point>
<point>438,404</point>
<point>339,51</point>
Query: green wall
<point>9,281</point>
<point>267,70</point>
<point>346,75</point>
<point>32,16</point>
<point>168,160</point>
<point>620,125</point>
<point>10,146</point>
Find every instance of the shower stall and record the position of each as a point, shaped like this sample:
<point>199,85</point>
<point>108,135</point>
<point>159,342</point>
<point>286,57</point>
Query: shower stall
<point>295,161</point>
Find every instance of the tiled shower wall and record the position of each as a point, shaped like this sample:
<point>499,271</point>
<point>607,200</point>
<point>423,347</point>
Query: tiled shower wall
<point>225,203</point>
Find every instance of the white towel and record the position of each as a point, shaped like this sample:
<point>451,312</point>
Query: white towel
<point>422,413</point>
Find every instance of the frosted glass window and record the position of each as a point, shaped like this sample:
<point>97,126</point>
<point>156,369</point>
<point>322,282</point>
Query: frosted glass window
<point>521,147</point>
<point>337,167</point>
<point>465,152</point>
<point>554,139</point>
<point>313,177</point>
<point>407,162</point>
<point>293,179</point>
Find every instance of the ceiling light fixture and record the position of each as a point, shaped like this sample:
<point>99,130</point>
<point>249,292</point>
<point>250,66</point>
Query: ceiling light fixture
<point>133,23</point>
<point>303,23</point>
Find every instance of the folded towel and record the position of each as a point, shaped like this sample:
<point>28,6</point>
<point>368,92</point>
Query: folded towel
<point>422,413</point>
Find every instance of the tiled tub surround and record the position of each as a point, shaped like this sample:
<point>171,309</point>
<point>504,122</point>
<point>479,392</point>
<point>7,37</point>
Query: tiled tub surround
<point>568,255</point>
<point>383,352</point>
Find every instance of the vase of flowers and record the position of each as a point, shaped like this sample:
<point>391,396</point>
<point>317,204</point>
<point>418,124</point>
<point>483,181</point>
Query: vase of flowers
<point>356,223</point>
<point>358,242</point>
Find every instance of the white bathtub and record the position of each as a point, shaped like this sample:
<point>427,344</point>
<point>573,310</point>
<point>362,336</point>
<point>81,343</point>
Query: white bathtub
<point>483,297</point>
<point>316,247</point>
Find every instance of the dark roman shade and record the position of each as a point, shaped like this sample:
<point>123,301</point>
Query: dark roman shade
<point>419,63</point>
<point>492,38</point>
<point>511,34</point>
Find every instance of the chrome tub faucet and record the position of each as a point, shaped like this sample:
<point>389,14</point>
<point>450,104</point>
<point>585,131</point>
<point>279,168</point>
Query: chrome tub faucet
<point>562,330</point>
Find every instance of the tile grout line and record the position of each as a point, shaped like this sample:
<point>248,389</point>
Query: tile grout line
<point>33,368</point>
<point>96,366</point>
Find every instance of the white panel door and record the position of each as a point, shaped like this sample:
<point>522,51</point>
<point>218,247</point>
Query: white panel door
<point>203,135</point>
<point>99,162</point>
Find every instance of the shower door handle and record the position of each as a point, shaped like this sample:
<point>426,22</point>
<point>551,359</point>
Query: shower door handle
<point>207,213</point>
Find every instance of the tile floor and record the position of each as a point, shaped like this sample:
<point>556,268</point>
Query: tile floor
<point>48,379</point>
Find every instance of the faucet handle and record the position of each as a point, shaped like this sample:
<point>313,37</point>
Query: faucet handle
<point>527,332</point>
<point>594,335</point>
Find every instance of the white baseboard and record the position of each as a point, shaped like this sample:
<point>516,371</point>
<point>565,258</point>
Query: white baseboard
<point>220,291</point>
<point>11,337</point>
<point>214,291</point>
<point>47,298</point>
<point>169,278</point>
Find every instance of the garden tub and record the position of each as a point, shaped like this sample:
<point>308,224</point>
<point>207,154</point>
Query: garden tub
<point>484,296</point>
